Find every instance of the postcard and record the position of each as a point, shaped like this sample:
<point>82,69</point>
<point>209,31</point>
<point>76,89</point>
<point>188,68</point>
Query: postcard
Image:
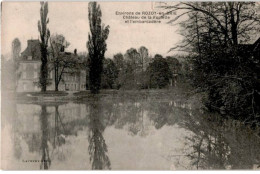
<point>130,85</point>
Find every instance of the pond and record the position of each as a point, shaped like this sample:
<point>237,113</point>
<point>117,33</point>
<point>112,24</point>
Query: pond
<point>124,132</point>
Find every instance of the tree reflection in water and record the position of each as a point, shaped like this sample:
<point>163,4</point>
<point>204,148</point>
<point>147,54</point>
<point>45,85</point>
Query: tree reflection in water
<point>220,144</point>
<point>45,160</point>
<point>97,145</point>
<point>47,132</point>
<point>211,142</point>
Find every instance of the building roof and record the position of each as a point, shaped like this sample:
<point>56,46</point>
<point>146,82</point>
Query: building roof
<point>33,49</point>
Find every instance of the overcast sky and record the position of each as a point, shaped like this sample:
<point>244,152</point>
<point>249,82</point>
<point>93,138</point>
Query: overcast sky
<point>19,19</point>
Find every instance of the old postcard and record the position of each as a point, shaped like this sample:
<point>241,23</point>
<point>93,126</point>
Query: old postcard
<point>130,85</point>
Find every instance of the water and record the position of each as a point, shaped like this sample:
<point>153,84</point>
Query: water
<point>129,132</point>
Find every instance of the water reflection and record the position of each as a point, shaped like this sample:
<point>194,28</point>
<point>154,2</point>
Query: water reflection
<point>220,144</point>
<point>115,132</point>
<point>97,146</point>
<point>45,160</point>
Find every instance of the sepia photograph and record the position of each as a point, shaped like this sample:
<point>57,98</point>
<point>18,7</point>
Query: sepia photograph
<point>144,85</point>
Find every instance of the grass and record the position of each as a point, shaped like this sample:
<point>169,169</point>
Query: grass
<point>176,93</point>
<point>87,92</point>
<point>44,94</point>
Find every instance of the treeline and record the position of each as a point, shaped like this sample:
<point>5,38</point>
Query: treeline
<point>225,66</point>
<point>136,69</point>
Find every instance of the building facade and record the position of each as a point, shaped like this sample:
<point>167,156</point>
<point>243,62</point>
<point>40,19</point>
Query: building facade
<point>29,70</point>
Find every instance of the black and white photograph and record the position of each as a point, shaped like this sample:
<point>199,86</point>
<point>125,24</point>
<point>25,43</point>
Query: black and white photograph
<point>143,85</point>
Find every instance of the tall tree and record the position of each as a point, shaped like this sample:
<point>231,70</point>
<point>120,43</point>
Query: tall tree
<point>96,46</point>
<point>144,60</point>
<point>133,67</point>
<point>16,49</point>
<point>44,37</point>
<point>143,51</point>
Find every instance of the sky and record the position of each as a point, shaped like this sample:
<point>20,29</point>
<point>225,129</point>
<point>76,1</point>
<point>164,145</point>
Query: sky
<point>19,19</point>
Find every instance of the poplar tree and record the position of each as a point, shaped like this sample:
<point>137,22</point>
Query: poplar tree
<point>96,46</point>
<point>44,37</point>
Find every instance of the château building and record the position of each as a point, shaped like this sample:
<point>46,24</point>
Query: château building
<point>29,70</point>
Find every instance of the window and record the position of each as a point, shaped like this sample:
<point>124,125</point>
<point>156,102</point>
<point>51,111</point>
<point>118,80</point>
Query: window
<point>35,75</point>
<point>24,75</point>
<point>24,86</point>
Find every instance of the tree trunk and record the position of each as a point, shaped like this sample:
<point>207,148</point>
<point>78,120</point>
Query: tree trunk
<point>56,87</point>
<point>233,24</point>
<point>56,78</point>
<point>44,75</point>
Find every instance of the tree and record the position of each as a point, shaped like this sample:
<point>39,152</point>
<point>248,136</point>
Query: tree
<point>224,65</point>
<point>109,74</point>
<point>44,37</point>
<point>175,68</point>
<point>133,68</point>
<point>120,65</point>
<point>96,46</point>
<point>16,49</point>
<point>144,58</point>
<point>8,74</point>
<point>61,61</point>
<point>119,61</point>
<point>159,72</point>
<point>143,51</point>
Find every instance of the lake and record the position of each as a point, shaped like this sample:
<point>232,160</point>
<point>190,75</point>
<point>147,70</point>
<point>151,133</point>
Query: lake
<point>124,132</point>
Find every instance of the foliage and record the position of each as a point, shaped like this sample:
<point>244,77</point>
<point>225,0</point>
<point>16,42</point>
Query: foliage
<point>44,37</point>
<point>8,72</point>
<point>96,46</point>
<point>224,65</point>
<point>174,64</point>
<point>159,72</point>
<point>16,48</point>
<point>119,63</point>
<point>132,68</point>
<point>144,56</point>
<point>109,74</point>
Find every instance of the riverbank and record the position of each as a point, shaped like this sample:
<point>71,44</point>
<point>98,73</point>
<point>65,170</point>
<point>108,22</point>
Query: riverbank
<point>52,96</point>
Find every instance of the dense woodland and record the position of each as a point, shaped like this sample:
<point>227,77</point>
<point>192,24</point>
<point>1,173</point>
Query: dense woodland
<point>221,41</point>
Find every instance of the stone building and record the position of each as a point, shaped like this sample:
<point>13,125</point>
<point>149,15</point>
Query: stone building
<point>29,68</point>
